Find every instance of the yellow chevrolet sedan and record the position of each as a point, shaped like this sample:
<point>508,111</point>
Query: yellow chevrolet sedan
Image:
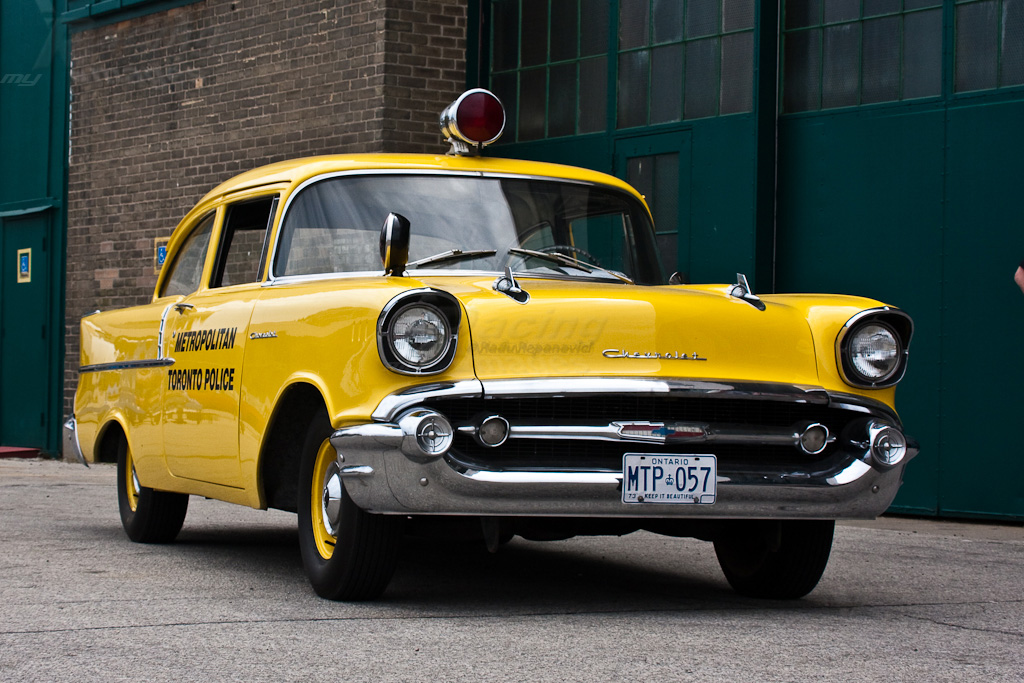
<point>387,342</point>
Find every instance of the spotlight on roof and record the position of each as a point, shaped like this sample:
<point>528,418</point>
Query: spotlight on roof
<point>473,121</point>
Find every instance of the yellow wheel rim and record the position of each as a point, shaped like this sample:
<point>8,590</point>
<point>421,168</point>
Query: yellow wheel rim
<point>325,499</point>
<point>131,481</point>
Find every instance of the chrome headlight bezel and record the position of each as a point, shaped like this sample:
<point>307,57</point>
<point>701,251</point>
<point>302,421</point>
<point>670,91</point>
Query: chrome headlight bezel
<point>892,321</point>
<point>444,310</point>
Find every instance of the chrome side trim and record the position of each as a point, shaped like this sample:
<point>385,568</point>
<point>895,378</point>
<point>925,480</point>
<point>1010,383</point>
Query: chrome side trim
<point>161,360</point>
<point>160,331</point>
<point>128,365</point>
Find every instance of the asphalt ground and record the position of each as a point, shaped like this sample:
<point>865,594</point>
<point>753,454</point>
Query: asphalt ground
<point>901,600</point>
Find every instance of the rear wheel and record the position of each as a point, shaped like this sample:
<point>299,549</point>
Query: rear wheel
<point>775,559</point>
<point>348,553</point>
<point>147,516</point>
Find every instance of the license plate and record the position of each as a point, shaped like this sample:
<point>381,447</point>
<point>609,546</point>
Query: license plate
<point>684,479</point>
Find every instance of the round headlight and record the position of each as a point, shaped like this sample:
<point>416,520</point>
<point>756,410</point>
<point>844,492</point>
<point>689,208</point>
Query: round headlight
<point>417,332</point>
<point>419,335</point>
<point>874,352</point>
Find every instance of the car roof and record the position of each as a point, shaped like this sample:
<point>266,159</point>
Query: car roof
<point>295,171</point>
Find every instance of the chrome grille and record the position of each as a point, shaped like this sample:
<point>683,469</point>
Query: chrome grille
<point>560,454</point>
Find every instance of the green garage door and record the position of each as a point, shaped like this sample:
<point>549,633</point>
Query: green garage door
<point>25,378</point>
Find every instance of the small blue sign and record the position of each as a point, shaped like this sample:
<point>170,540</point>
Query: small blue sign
<point>159,253</point>
<point>24,265</point>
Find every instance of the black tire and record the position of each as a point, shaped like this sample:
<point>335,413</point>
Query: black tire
<point>782,560</point>
<point>147,516</point>
<point>358,565</point>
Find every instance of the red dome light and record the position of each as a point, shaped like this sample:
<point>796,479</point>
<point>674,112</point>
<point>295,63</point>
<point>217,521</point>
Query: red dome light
<point>477,118</point>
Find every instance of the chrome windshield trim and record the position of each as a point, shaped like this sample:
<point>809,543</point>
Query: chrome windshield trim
<point>420,274</point>
<point>273,278</point>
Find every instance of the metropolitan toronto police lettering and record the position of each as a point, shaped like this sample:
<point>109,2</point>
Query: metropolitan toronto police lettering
<point>213,379</point>
<point>205,340</point>
<point>205,379</point>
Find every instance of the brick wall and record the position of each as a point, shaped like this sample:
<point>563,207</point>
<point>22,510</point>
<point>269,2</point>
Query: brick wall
<point>168,105</point>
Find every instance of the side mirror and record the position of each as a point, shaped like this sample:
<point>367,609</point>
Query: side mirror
<point>394,244</point>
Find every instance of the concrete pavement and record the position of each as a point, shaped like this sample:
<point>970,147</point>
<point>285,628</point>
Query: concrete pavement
<point>903,600</point>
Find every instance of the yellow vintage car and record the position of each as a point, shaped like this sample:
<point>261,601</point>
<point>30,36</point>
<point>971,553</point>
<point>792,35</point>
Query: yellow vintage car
<point>382,343</point>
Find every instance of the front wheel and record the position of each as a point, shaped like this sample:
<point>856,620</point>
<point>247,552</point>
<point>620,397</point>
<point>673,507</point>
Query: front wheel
<point>775,559</point>
<point>147,516</point>
<point>348,553</point>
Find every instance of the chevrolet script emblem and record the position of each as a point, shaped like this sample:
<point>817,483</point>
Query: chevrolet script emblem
<point>648,355</point>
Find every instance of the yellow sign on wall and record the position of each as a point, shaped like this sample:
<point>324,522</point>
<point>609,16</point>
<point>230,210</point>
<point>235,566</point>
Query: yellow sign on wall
<point>24,265</point>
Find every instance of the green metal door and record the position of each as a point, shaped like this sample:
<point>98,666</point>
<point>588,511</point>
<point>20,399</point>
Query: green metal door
<point>658,166</point>
<point>25,373</point>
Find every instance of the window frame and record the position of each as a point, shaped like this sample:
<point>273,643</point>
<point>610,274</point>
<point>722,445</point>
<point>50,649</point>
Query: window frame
<point>213,216</point>
<point>226,236</point>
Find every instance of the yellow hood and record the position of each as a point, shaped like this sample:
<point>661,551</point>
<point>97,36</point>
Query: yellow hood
<point>572,329</point>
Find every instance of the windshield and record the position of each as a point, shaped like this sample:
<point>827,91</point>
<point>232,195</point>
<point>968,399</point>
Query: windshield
<point>470,223</point>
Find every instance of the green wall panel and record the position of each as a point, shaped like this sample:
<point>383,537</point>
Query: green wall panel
<point>722,200</point>
<point>919,207</point>
<point>25,83</point>
<point>33,128</point>
<point>861,212</point>
<point>982,458</point>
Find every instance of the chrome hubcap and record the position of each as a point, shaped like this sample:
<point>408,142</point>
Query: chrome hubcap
<point>331,498</point>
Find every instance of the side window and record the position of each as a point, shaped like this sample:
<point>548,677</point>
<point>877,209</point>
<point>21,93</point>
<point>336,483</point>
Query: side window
<point>187,268</point>
<point>243,242</point>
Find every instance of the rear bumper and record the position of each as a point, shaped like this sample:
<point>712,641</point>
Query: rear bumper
<point>385,471</point>
<point>71,450</point>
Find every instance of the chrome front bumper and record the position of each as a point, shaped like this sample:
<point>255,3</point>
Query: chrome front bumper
<point>387,471</point>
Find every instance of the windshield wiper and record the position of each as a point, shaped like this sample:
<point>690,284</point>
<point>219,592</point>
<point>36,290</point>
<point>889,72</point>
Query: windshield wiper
<point>564,260</point>
<point>452,255</point>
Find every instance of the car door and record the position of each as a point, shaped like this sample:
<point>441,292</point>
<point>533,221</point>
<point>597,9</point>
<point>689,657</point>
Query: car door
<point>205,333</point>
